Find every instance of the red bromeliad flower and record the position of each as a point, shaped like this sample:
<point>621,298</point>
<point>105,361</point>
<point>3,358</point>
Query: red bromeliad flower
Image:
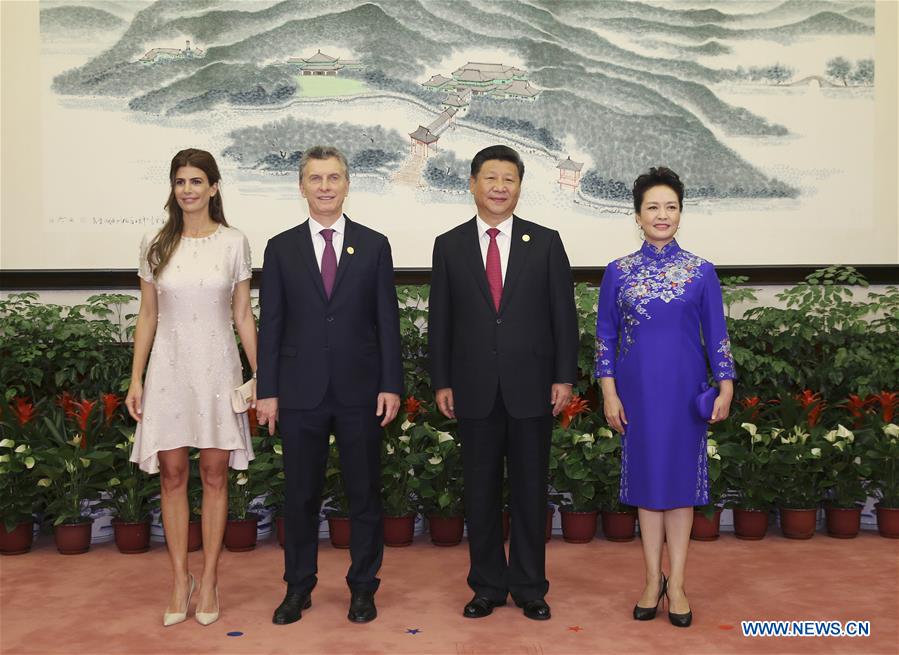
<point>887,401</point>
<point>857,408</point>
<point>813,404</point>
<point>82,412</point>
<point>577,406</point>
<point>23,408</point>
<point>110,403</point>
<point>754,403</point>
<point>412,408</point>
<point>67,403</point>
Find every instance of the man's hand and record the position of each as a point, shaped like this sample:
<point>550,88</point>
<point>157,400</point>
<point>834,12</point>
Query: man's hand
<point>388,406</point>
<point>267,413</point>
<point>445,404</point>
<point>560,397</point>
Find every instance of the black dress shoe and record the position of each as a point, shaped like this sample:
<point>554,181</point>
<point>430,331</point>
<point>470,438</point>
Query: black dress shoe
<point>479,607</point>
<point>290,609</point>
<point>537,610</point>
<point>679,620</point>
<point>362,607</point>
<point>649,613</point>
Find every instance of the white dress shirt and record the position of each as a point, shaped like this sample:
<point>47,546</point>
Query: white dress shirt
<point>503,242</point>
<point>318,241</point>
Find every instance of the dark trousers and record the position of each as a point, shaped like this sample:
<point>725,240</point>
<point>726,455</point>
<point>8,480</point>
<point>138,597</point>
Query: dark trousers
<point>305,435</point>
<point>524,444</point>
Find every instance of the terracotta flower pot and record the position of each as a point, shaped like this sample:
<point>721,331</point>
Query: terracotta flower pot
<point>446,530</point>
<point>240,534</point>
<point>750,524</point>
<point>18,541</point>
<point>131,538</point>
<point>578,527</point>
<point>619,526</point>
<point>73,538</point>
<point>843,523</point>
<point>705,529</point>
<point>339,530</point>
<point>279,530</point>
<point>888,521</point>
<point>398,530</point>
<point>194,535</point>
<point>798,523</point>
<point>507,515</point>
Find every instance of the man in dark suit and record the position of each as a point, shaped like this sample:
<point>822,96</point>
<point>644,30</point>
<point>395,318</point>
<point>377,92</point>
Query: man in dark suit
<point>329,362</point>
<point>503,339</point>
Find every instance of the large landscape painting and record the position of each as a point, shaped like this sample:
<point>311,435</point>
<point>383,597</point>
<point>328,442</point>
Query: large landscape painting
<point>765,108</point>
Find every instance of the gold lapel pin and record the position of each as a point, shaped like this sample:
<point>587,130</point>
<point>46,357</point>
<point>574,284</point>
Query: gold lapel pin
<point>350,250</point>
<point>525,237</point>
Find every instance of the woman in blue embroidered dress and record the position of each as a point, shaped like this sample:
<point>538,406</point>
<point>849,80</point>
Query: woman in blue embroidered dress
<point>660,319</point>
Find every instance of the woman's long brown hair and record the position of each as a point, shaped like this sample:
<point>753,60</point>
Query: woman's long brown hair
<point>168,238</point>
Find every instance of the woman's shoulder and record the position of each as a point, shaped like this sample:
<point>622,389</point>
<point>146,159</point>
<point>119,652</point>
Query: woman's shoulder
<point>232,233</point>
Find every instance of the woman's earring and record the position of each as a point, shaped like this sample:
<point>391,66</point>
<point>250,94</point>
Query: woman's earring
<point>642,233</point>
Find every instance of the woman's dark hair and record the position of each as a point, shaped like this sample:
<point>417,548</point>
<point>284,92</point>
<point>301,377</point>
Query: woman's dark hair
<point>502,153</point>
<point>169,236</point>
<point>661,176</point>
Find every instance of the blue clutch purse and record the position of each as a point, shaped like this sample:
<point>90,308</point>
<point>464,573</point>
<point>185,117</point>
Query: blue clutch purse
<point>705,401</point>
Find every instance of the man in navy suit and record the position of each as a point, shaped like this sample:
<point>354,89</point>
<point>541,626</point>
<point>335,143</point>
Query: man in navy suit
<point>329,363</point>
<point>503,339</point>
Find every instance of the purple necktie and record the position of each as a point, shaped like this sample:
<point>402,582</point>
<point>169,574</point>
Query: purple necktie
<point>329,261</point>
<point>494,268</point>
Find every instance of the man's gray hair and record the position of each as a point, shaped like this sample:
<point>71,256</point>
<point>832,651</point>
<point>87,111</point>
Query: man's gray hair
<point>324,152</point>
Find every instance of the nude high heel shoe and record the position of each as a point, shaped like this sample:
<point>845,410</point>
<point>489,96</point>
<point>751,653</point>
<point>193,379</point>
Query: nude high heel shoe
<point>205,618</point>
<point>171,618</point>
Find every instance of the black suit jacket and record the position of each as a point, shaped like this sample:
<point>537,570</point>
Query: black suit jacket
<point>525,347</point>
<point>307,341</point>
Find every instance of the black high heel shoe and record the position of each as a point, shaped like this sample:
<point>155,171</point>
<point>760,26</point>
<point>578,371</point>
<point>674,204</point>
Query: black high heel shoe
<point>679,620</point>
<point>649,613</point>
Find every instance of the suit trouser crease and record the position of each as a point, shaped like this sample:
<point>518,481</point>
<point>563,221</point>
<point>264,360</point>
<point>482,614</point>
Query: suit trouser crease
<point>525,444</point>
<point>305,436</point>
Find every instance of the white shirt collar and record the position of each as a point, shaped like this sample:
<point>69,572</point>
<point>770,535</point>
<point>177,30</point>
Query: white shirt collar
<point>505,227</point>
<point>339,227</point>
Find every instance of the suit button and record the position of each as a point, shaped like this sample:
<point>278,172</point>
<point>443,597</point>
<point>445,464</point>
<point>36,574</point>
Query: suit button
<point>499,321</point>
<point>330,319</point>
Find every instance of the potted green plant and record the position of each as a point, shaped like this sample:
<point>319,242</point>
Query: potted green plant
<point>881,455</point>
<point>276,484</point>
<point>619,521</point>
<point>18,495</point>
<point>707,518</point>
<point>243,488</point>
<point>403,454</point>
<point>798,477</point>
<point>439,486</point>
<point>130,494</point>
<point>750,482</point>
<point>72,475</point>
<point>845,474</point>
<point>575,479</point>
<point>336,503</point>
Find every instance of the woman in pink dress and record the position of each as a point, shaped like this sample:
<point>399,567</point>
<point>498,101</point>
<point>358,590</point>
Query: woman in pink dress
<point>195,289</point>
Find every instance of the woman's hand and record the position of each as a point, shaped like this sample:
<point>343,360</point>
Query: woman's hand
<point>614,412</point>
<point>133,401</point>
<point>721,408</point>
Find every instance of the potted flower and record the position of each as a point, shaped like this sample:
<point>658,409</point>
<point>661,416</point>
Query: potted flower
<point>336,504</point>
<point>575,479</point>
<point>439,485</point>
<point>845,475</point>
<point>750,483</point>
<point>72,475</point>
<point>130,491</point>
<point>243,488</point>
<point>403,454</point>
<point>276,484</point>
<point>619,521</point>
<point>881,455</point>
<point>18,482</point>
<point>798,478</point>
<point>707,519</point>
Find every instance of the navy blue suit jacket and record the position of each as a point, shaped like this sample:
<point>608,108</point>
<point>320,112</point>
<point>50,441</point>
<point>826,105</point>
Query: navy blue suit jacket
<point>308,341</point>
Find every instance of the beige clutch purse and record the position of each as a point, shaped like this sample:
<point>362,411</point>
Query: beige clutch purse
<point>242,396</point>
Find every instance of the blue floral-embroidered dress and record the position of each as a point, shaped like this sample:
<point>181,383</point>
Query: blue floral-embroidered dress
<point>660,316</point>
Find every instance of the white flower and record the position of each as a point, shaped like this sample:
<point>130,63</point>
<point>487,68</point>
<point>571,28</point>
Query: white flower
<point>390,450</point>
<point>605,433</point>
<point>242,479</point>
<point>131,438</point>
<point>845,433</point>
<point>332,440</point>
<point>21,448</point>
<point>750,428</point>
<point>29,462</point>
<point>278,448</point>
<point>831,436</point>
<point>711,449</point>
<point>4,458</point>
<point>434,461</point>
<point>891,430</point>
<point>857,461</point>
<point>584,438</point>
<point>114,481</point>
<point>444,436</point>
<point>406,425</point>
<point>816,452</point>
<point>76,440</point>
<point>44,482</point>
<point>85,462</point>
<point>411,471</point>
<point>839,445</point>
<point>404,438</point>
<point>7,443</point>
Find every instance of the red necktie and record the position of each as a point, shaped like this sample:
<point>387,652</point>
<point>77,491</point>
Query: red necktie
<point>494,269</point>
